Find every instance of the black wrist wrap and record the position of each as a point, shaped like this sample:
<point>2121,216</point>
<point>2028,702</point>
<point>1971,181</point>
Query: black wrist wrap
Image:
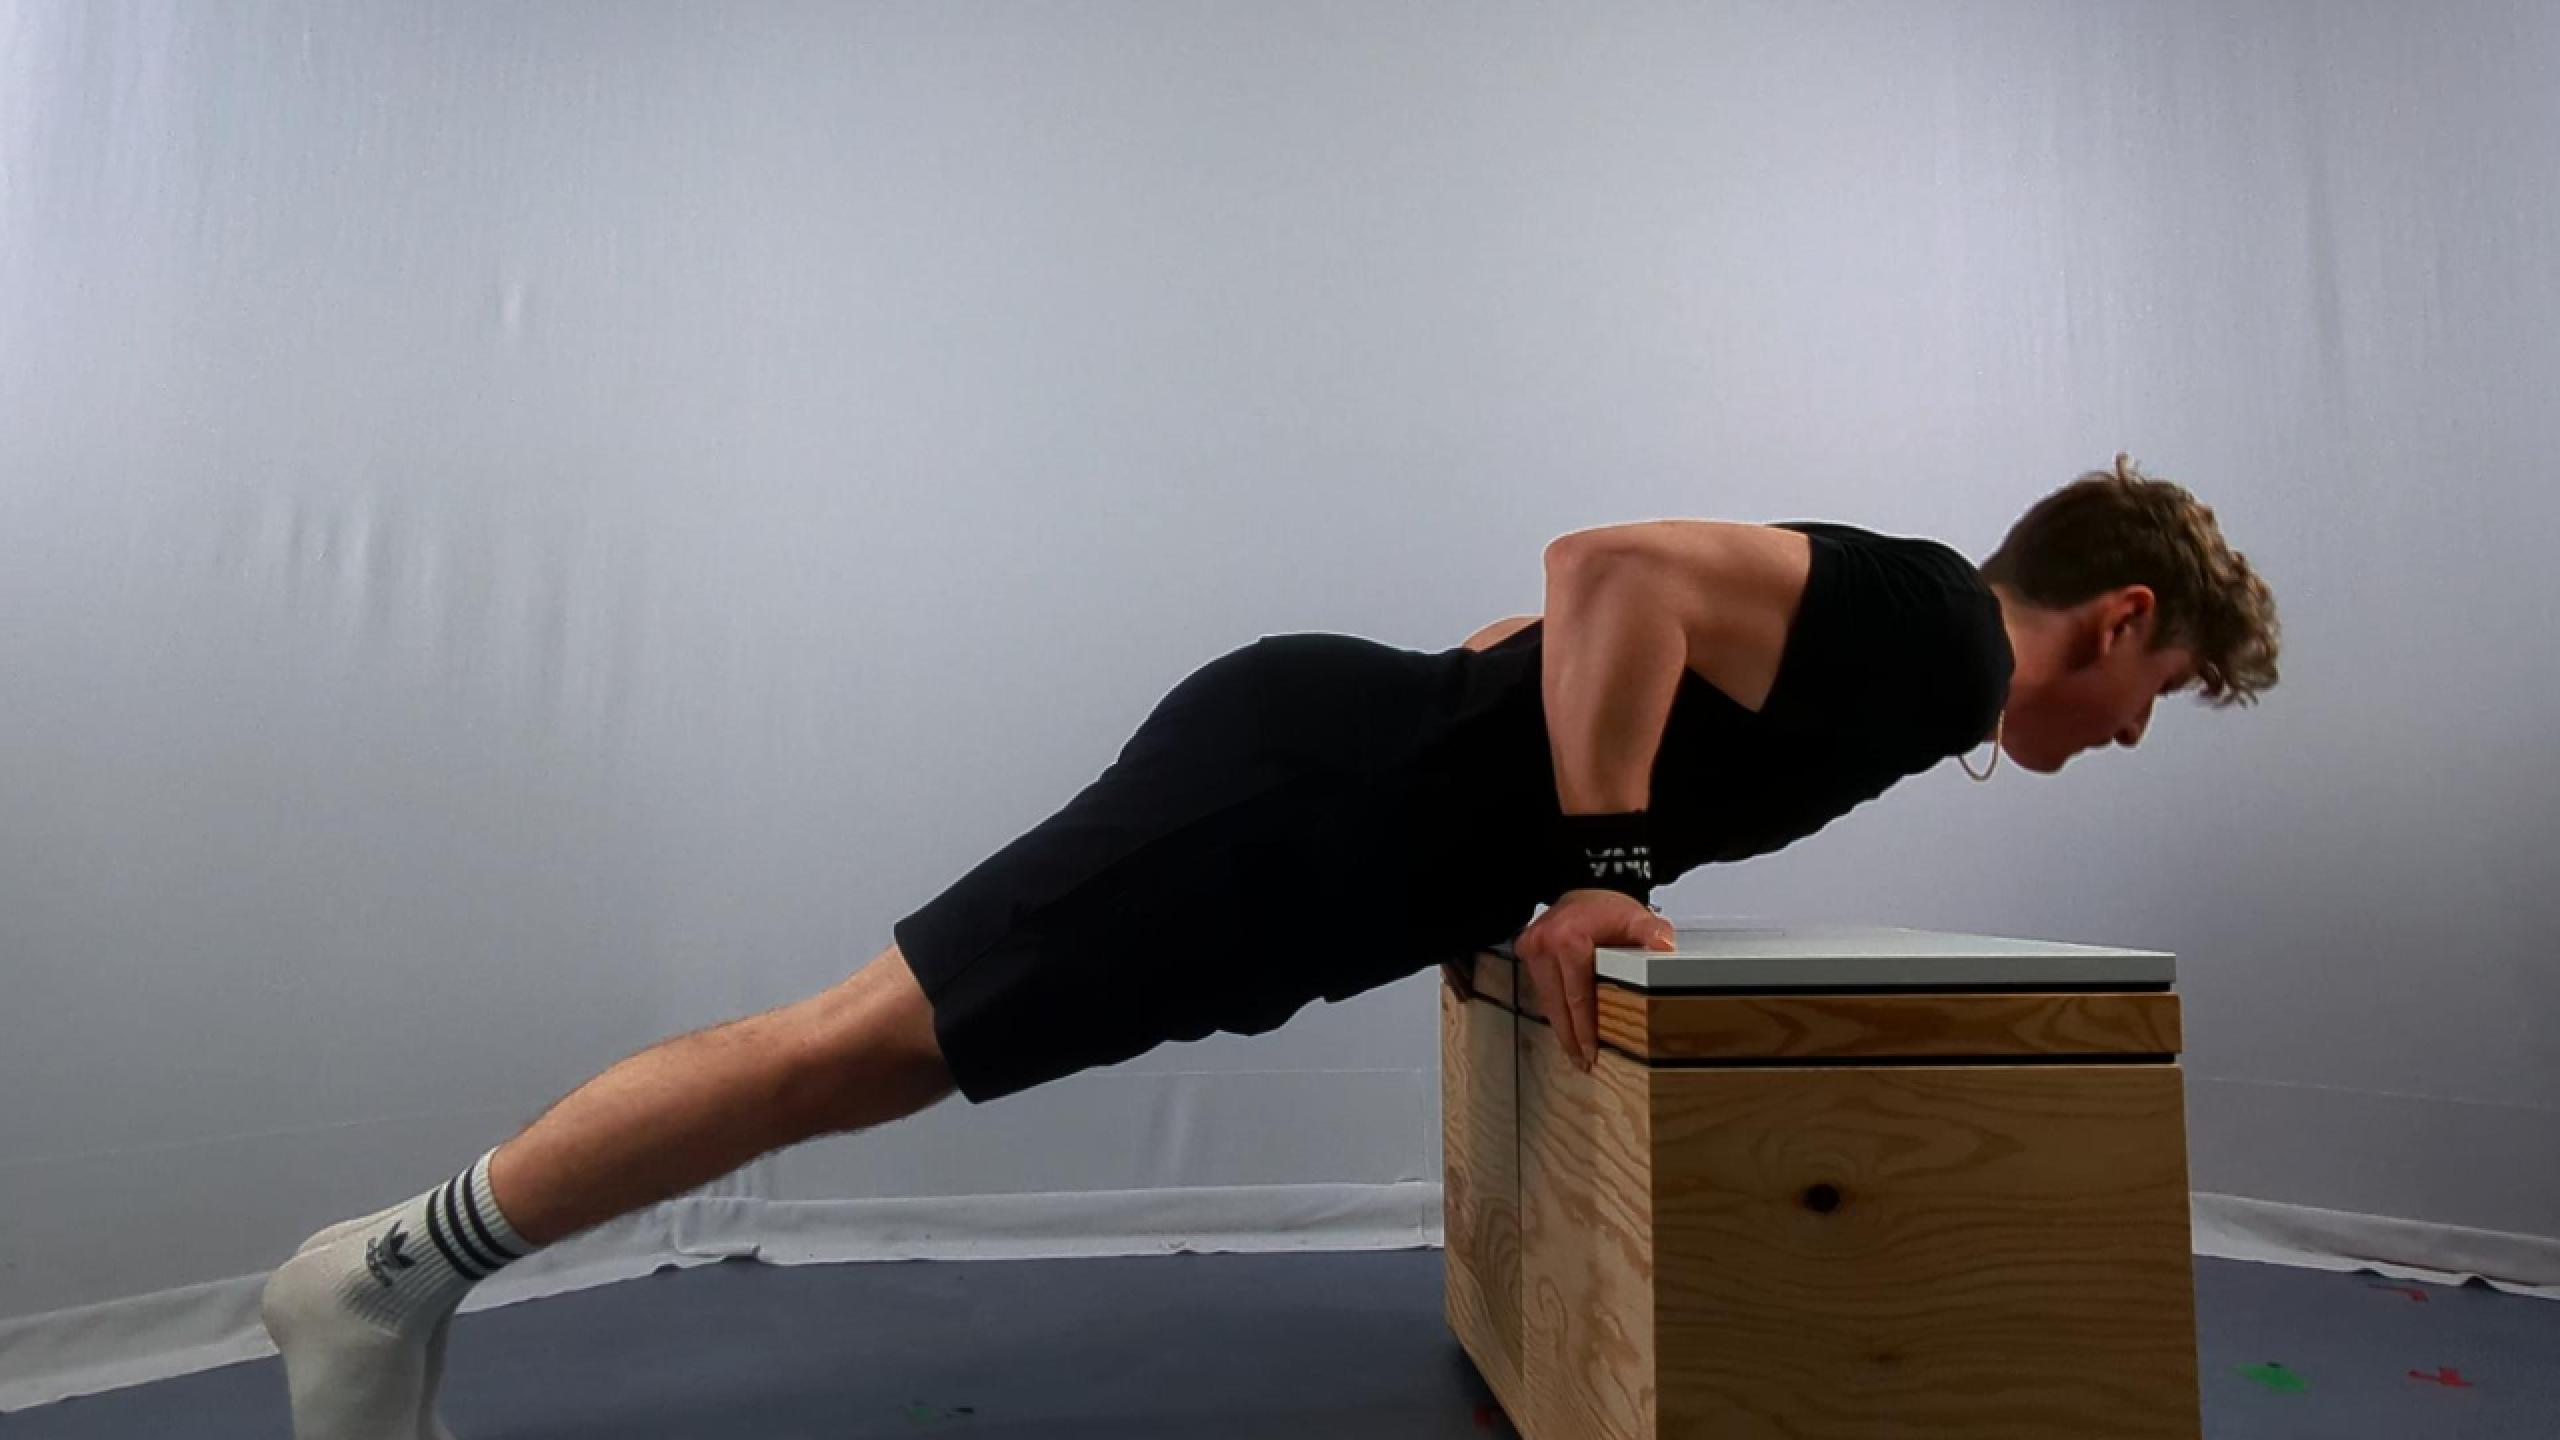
<point>1606,852</point>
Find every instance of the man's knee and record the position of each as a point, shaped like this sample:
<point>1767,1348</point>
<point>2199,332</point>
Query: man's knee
<point>872,1053</point>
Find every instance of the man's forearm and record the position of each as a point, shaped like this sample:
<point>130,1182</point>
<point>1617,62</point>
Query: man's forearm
<point>1613,657</point>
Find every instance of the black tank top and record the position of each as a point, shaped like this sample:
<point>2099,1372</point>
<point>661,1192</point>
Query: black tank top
<point>1897,659</point>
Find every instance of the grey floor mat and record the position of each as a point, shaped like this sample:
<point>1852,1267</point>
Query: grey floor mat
<point>1241,1347</point>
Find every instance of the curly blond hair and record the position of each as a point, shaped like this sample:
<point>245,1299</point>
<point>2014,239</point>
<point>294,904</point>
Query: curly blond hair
<point>2114,528</point>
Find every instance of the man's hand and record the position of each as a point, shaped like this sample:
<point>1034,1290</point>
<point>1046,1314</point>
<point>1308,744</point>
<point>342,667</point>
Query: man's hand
<point>1556,951</point>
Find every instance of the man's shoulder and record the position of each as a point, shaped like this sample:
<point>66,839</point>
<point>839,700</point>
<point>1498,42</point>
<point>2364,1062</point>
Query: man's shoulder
<point>1946,560</point>
<point>1911,629</point>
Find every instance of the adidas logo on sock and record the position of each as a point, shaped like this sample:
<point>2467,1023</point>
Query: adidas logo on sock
<point>382,1254</point>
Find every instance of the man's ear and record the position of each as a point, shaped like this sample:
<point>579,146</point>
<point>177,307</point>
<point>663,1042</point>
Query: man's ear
<point>2130,614</point>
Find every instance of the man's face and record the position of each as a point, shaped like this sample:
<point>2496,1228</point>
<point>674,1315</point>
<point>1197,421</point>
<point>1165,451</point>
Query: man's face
<point>2106,698</point>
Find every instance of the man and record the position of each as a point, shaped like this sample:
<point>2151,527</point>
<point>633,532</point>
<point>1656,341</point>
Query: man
<point>1694,692</point>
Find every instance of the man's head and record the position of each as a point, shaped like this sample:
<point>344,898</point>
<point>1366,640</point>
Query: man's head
<point>2118,589</point>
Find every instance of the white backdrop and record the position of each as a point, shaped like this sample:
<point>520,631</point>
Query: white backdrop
<point>527,529</point>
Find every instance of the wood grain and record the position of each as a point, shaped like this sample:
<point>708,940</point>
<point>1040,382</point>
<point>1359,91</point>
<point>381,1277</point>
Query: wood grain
<point>1586,1260</point>
<point>1675,1025</point>
<point>1480,1140</point>
<point>1985,1252</point>
<point>1825,1252</point>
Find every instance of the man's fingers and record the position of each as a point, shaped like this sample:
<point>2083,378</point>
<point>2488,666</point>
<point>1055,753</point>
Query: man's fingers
<point>1546,976</point>
<point>1568,996</point>
<point>1583,994</point>
<point>1571,1014</point>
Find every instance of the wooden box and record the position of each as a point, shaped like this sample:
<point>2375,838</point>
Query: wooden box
<point>1827,1183</point>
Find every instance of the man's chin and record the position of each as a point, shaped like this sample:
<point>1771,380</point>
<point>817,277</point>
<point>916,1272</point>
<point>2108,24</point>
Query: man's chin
<point>2042,765</point>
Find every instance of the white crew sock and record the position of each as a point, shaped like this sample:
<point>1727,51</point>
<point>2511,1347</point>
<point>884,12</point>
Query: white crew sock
<point>431,1424</point>
<point>354,1315</point>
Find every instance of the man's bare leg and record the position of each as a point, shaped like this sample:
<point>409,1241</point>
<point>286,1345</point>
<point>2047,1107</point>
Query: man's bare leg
<point>692,1109</point>
<point>355,1314</point>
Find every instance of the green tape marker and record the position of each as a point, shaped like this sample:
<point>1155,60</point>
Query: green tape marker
<point>2275,1377</point>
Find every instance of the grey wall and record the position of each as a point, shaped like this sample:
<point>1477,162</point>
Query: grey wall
<point>525,529</point>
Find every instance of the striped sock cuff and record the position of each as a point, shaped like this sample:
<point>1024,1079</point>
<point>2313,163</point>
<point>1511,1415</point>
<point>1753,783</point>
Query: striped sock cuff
<point>464,1222</point>
<point>414,1268</point>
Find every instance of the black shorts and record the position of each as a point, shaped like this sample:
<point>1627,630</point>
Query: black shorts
<point>1243,857</point>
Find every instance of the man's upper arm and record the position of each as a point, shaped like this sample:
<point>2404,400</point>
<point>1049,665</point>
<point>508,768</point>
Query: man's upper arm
<point>1735,587</point>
